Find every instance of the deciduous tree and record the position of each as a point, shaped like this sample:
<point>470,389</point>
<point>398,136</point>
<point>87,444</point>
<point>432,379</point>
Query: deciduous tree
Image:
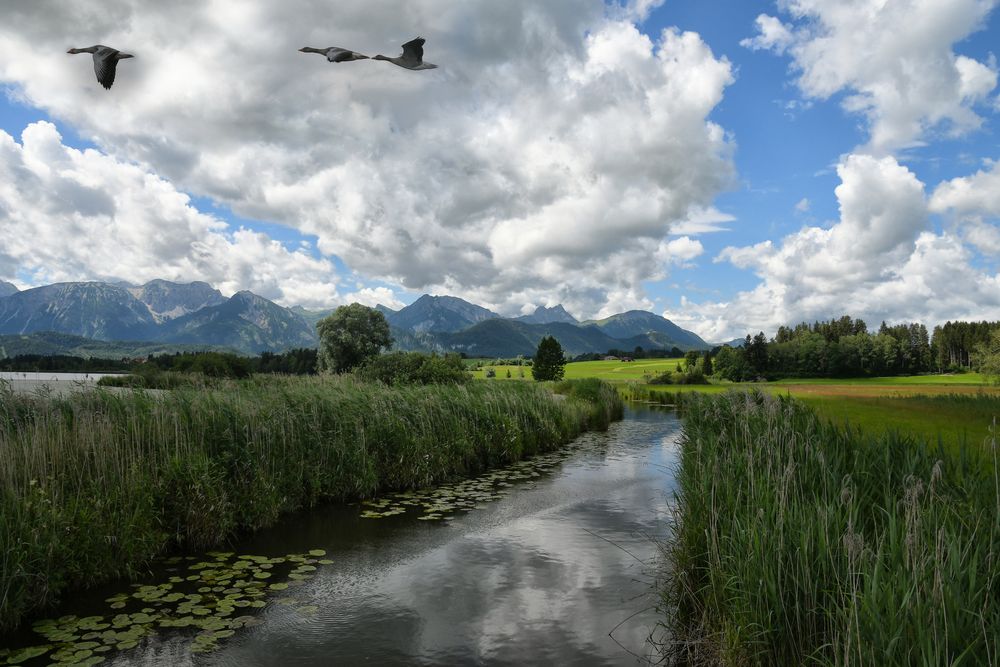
<point>349,336</point>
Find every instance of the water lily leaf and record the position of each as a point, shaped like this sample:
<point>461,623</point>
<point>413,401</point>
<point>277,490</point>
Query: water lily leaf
<point>25,654</point>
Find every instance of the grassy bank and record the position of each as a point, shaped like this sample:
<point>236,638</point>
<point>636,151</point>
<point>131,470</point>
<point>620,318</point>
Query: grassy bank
<point>95,483</point>
<point>799,542</point>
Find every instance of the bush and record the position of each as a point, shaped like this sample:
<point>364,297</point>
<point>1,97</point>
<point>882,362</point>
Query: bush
<point>663,378</point>
<point>414,368</point>
<point>692,376</point>
<point>147,376</point>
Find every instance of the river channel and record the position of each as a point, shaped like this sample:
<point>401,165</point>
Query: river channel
<point>552,564</point>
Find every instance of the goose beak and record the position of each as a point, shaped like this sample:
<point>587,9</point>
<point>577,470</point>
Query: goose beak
<point>71,50</point>
<point>123,56</point>
<point>303,49</point>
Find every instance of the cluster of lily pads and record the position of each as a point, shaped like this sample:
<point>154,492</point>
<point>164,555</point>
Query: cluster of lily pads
<point>442,502</point>
<point>216,595</point>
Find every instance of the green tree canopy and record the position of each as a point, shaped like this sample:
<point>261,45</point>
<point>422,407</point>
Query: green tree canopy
<point>987,357</point>
<point>349,336</point>
<point>549,363</point>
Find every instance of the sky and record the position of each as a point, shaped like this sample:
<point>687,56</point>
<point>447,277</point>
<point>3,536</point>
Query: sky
<point>732,165</point>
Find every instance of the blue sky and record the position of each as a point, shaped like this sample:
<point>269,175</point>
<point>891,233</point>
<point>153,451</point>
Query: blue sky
<point>378,188</point>
<point>785,154</point>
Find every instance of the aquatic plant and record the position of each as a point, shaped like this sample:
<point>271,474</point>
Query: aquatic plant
<point>801,542</point>
<point>211,598</point>
<point>94,484</point>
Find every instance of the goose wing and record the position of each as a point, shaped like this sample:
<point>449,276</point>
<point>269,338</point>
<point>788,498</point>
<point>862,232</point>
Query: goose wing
<point>414,49</point>
<point>105,64</point>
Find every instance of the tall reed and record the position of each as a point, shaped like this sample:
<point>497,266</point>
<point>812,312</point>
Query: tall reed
<point>94,484</point>
<point>798,542</point>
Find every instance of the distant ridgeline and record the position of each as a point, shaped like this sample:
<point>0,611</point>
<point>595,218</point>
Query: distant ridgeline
<point>116,321</point>
<point>844,348</point>
<point>94,319</point>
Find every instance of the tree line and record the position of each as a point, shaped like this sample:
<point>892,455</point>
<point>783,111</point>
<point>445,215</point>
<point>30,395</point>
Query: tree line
<point>844,347</point>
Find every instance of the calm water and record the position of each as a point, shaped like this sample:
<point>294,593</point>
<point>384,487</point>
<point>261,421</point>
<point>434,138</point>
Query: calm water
<point>557,572</point>
<point>53,376</point>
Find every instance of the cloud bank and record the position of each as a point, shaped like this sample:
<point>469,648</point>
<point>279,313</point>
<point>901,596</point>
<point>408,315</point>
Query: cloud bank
<point>879,261</point>
<point>548,157</point>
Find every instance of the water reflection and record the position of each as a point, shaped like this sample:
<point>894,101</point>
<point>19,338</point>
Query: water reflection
<point>542,575</point>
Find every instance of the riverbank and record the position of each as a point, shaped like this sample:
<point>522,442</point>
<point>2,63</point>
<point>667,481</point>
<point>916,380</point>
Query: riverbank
<point>800,541</point>
<point>94,484</point>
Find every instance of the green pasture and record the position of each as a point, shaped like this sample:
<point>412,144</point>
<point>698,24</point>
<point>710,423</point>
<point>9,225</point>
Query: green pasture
<point>954,407</point>
<point>609,371</point>
<point>952,379</point>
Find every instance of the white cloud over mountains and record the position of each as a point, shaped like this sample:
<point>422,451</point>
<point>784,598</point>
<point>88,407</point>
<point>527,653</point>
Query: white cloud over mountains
<point>67,215</point>
<point>894,60</point>
<point>546,159</point>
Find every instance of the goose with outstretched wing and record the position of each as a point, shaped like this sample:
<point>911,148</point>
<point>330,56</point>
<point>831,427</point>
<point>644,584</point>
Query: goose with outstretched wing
<point>105,62</point>
<point>412,56</point>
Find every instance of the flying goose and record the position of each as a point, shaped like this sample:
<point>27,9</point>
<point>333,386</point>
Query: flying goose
<point>412,57</point>
<point>105,61</point>
<point>335,54</point>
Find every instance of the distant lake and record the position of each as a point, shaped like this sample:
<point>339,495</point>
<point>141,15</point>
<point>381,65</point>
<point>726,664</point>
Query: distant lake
<point>54,377</point>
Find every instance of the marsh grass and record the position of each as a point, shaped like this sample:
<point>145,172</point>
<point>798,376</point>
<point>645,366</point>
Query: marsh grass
<point>95,483</point>
<point>802,542</point>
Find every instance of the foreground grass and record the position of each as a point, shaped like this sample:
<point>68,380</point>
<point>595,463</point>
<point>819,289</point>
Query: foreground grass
<point>801,542</point>
<point>94,484</point>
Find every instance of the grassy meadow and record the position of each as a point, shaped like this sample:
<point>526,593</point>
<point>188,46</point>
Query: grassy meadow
<point>799,541</point>
<point>912,405</point>
<point>609,371</point>
<point>95,483</point>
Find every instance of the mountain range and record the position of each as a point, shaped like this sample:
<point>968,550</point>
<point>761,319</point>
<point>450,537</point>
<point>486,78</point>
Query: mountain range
<point>197,316</point>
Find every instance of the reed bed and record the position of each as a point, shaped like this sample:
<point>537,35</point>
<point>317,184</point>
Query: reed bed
<point>801,542</point>
<point>96,483</point>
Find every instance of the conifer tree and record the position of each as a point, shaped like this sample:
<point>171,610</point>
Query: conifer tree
<point>549,363</point>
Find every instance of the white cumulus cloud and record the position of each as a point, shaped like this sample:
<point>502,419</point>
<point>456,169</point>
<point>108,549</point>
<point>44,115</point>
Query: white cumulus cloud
<point>67,214</point>
<point>879,261</point>
<point>894,59</point>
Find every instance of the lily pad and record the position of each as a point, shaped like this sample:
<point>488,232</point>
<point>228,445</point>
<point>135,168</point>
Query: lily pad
<point>23,655</point>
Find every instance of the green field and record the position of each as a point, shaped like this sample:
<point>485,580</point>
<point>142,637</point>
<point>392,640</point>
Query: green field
<point>921,405</point>
<point>952,379</point>
<point>609,371</point>
<point>956,408</point>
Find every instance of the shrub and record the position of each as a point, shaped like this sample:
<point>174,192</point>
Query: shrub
<point>663,378</point>
<point>414,368</point>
